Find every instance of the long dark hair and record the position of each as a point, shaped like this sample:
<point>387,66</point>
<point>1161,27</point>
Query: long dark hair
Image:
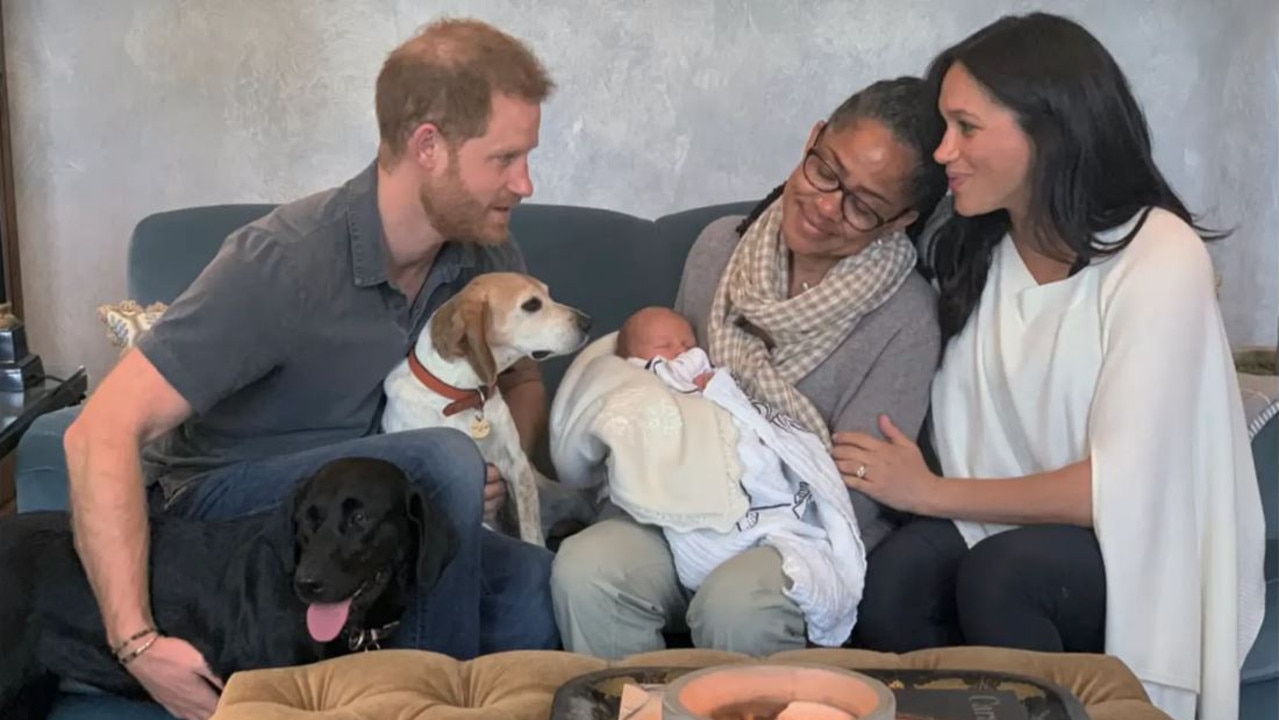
<point>907,108</point>
<point>1092,168</point>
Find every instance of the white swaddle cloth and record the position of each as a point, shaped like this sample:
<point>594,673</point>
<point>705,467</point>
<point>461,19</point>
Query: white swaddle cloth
<point>798,503</point>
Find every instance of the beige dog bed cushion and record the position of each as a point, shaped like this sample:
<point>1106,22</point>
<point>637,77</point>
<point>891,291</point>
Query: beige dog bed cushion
<point>415,685</point>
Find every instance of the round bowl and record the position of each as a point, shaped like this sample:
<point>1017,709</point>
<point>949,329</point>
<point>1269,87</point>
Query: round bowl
<point>760,692</point>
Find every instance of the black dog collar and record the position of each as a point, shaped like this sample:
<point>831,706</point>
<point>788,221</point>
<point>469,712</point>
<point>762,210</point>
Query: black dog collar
<point>369,638</point>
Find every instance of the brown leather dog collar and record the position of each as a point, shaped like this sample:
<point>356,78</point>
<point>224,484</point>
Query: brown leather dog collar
<point>472,399</point>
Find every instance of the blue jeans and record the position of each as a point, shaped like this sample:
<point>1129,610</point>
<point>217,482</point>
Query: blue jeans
<point>493,596</point>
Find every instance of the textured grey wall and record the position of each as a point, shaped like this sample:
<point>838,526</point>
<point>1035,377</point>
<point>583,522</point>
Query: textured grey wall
<point>127,107</point>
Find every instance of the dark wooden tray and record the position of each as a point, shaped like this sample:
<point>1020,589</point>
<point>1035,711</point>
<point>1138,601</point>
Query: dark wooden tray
<point>597,695</point>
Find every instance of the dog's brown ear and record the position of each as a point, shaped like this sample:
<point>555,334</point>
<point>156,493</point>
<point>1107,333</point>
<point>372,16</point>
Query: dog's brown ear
<point>460,329</point>
<point>477,315</point>
<point>448,329</point>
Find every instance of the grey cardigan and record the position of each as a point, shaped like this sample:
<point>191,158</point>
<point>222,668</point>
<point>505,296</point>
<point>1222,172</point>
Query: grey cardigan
<point>885,365</point>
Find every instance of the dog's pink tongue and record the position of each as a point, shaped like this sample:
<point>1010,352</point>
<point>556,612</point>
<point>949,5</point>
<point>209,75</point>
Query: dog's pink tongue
<point>325,620</point>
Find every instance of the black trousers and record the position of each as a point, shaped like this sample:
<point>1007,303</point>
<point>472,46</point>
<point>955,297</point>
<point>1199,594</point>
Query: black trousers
<point>1038,587</point>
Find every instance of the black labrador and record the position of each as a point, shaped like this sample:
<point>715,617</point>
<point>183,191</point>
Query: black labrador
<point>326,574</point>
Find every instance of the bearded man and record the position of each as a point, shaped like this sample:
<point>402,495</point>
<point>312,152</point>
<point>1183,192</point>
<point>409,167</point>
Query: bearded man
<point>271,364</point>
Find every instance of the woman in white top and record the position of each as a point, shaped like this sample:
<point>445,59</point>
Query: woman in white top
<point>1096,490</point>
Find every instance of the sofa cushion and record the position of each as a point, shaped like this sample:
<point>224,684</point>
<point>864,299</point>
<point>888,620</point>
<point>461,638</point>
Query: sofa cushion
<point>599,261</point>
<point>689,224</point>
<point>509,686</point>
<point>169,249</point>
<point>606,263</point>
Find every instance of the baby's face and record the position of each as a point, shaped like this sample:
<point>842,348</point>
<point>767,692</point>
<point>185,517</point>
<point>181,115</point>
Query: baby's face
<point>662,334</point>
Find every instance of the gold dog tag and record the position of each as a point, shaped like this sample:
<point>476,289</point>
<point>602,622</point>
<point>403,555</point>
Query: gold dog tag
<point>480,428</point>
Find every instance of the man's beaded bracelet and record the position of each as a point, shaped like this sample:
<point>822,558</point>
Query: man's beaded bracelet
<point>141,649</point>
<point>134,638</point>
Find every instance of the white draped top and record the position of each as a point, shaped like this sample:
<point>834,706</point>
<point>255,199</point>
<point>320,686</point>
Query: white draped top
<point>1127,363</point>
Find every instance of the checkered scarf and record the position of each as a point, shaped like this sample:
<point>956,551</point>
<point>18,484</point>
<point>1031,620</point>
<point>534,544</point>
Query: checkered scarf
<point>805,329</point>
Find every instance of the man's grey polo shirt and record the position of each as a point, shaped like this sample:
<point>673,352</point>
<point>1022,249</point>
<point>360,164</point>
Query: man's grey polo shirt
<point>282,343</point>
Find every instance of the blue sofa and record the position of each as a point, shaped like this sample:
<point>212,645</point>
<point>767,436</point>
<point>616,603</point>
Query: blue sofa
<point>605,262</point>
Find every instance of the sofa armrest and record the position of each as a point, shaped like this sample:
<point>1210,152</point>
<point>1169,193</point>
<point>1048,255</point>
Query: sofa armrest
<point>1260,673</point>
<point>1261,412</point>
<point>41,475</point>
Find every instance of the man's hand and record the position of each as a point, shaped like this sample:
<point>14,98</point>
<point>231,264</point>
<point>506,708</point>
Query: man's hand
<point>494,494</point>
<point>176,676</point>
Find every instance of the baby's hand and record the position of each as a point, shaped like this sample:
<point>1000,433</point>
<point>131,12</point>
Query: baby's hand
<point>701,380</point>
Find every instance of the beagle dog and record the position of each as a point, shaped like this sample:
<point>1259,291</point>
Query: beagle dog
<point>450,377</point>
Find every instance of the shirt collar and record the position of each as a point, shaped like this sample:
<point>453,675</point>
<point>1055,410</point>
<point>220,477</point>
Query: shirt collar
<point>364,225</point>
<point>368,238</point>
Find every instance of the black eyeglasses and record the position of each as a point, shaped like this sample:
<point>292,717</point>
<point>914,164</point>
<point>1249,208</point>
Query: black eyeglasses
<point>823,177</point>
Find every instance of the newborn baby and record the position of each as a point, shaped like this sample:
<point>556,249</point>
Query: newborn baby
<point>662,340</point>
<point>797,500</point>
<point>655,332</point>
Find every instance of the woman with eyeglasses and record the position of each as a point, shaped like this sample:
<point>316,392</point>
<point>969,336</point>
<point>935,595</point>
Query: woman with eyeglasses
<point>1097,491</point>
<point>814,303</point>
